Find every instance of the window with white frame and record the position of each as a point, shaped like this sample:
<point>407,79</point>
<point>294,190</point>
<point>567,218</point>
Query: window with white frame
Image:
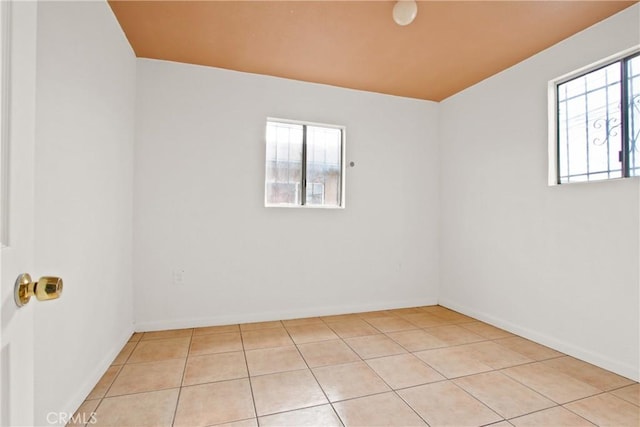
<point>304,164</point>
<point>597,122</point>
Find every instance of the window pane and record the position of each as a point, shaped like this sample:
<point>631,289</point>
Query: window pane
<point>633,72</point>
<point>324,160</point>
<point>283,164</point>
<point>589,136</point>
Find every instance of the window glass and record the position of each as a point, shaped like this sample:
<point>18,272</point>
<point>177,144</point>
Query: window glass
<point>284,163</point>
<point>324,152</point>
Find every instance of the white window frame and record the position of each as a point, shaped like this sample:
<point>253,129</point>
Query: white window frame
<point>343,164</point>
<point>552,109</point>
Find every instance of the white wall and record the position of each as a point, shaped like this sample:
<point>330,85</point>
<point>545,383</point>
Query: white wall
<point>557,264</point>
<point>83,193</point>
<point>199,195</point>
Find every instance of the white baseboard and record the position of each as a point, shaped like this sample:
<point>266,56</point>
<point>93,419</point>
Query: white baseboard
<point>157,325</point>
<point>624,369</point>
<point>81,394</point>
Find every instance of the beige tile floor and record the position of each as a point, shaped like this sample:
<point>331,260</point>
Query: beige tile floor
<point>407,367</point>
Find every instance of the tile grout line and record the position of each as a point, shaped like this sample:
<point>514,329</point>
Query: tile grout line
<point>314,377</point>
<point>445,379</point>
<point>382,379</point>
<point>577,400</point>
<point>140,392</point>
<point>557,405</point>
<point>391,389</point>
<point>503,371</point>
<point>620,388</point>
<point>184,372</point>
<point>287,411</point>
<point>486,405</point>
<point>246,363</point>
<point>101,399</point>
<point>120,369</point>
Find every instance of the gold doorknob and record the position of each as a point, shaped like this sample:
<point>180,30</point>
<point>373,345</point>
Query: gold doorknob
<point>44,289</point>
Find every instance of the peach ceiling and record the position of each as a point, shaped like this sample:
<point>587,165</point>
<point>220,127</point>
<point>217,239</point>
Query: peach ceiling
<point>355,44</point>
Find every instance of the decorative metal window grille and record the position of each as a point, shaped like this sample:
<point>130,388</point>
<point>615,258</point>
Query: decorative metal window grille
<point>598,123</point>
<point>304,164</point>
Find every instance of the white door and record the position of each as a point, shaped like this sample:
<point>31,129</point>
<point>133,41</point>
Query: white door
<point>18,41</point>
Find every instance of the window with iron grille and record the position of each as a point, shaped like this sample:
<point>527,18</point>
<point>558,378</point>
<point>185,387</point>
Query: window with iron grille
<point>304,164</point>
<point>598,122</point>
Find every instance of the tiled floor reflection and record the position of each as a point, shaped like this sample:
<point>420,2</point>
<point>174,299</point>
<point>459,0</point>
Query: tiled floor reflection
<point>408,367</point>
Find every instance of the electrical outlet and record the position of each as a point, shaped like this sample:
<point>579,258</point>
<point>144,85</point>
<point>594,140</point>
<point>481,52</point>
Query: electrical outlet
<point>178,277</point>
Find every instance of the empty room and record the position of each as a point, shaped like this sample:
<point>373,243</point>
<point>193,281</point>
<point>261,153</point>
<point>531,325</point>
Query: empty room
<point>320,213</point>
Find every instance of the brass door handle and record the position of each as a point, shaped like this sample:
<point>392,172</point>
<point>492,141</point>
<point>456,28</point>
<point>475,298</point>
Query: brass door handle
<point>44,289</point>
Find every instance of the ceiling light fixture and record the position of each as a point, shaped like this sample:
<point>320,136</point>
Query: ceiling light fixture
<point>405,11</point>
